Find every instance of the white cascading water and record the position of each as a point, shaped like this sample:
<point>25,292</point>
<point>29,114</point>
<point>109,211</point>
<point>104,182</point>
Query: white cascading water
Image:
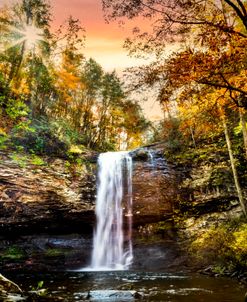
<point>111,249</point>
<point>150,155</point>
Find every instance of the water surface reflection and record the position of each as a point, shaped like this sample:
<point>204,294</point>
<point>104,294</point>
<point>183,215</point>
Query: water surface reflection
<point>134,286</point>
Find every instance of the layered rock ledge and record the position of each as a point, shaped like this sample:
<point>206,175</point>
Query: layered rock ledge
<point>59,196</point>
<point>45,198</point>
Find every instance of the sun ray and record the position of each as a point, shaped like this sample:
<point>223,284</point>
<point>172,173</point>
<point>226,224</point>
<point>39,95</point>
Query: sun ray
<point>30,34</point>
<point>14,43</point>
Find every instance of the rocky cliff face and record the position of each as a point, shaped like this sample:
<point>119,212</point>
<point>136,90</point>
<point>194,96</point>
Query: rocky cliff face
<point>200,189</point>
<point>40,204</point>
<point>47,212</point>
<point>45,198</point>
<point>154,186</point>
<point>60,197</point>
<point>207,193</point>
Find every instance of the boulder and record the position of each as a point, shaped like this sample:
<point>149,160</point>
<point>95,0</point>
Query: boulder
<point>8,287</point>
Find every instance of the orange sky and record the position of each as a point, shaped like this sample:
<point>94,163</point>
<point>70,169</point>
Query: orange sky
<point>103,41</point>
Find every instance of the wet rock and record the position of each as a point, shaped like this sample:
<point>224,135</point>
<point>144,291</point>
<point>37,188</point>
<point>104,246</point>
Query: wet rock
<point>8,288</point>
<point>207,271</point>
<point>126,286</point>
<point>113,295</point>
<point>38,292</point>
<point>46,253</point>
<point>138,295</point>
<point>140,154</point>
<point>154,189</point>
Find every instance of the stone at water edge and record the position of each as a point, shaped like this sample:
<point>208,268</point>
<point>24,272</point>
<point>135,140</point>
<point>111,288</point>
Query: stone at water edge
<point>114,295</point>
<point>7,286</point>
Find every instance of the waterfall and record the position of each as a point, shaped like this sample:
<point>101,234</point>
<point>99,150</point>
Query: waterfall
<point>151,157</point>
<point>112,248</point>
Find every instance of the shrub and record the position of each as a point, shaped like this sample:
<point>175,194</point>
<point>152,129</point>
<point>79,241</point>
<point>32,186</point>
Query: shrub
<point>224,246</point>
<point>16,109</point>
<point>36,160</point>
<point>239,244</point>
<point>3,140</point>
<point>12,252</point>
<point>20,160</point>
<point>39,137</point>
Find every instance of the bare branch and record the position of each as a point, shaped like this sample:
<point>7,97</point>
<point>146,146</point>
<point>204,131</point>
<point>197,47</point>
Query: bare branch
<point>219,85</point>
<point>241,15</point>
<point>196,22</point>
<point>242,7</point>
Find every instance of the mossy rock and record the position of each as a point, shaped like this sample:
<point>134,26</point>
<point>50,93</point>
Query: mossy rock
<point>13,252</point>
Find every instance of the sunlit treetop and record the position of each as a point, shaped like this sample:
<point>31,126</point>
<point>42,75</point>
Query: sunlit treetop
<point>29,34</point>
<point>25,24</point>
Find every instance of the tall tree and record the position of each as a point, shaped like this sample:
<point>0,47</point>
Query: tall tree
<point>24,48</point>
<point>233,165</point>
<point>201,24</point>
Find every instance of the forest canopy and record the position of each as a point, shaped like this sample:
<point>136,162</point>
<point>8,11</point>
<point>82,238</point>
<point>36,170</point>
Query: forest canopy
<point>51,96</point>
<point>202,84</point>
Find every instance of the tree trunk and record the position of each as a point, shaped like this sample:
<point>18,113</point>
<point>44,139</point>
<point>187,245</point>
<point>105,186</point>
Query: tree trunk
<point>234,169</point>
<point>244,129</point>
<point>15,68</point>
<point>193,137</point>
